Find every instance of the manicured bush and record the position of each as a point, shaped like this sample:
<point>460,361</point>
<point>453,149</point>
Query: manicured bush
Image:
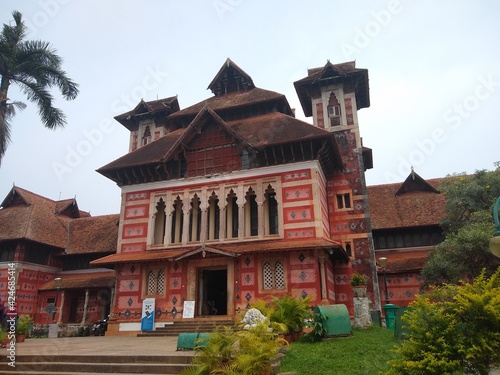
<point>454,329</point>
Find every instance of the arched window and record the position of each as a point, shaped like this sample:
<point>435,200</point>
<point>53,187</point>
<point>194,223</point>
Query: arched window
<point>213,217</point>
<point>146,136</point>
<point>177,221</point>
<point>333,110</point>
<point>232,215</point>
<point>271,222</point>
<point>159,223</point>
<point>251,214</point>
<point>195,219</point>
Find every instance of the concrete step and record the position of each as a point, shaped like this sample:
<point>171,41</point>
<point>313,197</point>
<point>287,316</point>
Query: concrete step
<point>106,364</point>
<point>177,328</point>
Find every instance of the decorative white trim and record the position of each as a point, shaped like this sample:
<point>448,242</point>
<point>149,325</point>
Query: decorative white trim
<point>261,172</point>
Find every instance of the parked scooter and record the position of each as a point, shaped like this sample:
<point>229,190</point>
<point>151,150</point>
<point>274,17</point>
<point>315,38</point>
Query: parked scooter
<point>99,328</point>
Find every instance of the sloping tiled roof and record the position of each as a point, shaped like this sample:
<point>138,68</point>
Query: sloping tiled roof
<point>25,215</point>
<point>405,260</point>
<point>151,153</point>
<point>275,128</point>
<point>100,279</point>
<point>98,234</point>
<point>259,131</point>
<point>238,248</point>
<point>412,209</point>
<point>231,100</point>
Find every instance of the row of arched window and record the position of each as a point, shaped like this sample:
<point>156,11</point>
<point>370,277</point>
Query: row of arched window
<point>229,218</point>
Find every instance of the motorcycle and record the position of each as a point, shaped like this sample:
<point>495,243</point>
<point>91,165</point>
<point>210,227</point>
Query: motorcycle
<point>99,328</point>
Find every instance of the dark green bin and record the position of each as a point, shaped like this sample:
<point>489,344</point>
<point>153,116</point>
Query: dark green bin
<point>337,322</point>
<point>189,340</point>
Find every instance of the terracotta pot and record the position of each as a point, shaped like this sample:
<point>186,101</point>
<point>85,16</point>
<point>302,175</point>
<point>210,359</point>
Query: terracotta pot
<point>20,338</point>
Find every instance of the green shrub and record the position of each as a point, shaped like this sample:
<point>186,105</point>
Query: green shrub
<point>453,329</point>
<point>231,352</point>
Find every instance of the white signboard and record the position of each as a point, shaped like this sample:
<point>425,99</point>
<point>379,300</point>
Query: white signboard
<point>148,314</point>
<point>188,311</point>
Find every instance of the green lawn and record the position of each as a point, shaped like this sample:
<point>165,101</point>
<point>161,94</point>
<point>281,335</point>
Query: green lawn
<point>366,352</point>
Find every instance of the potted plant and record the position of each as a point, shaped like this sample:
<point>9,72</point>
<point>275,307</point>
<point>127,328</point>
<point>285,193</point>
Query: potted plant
<point>24,323</point>
<point>292,312</point>
<point>358,284</point>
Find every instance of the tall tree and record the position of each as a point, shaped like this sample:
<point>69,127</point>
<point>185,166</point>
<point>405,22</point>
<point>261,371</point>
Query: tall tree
<point>35,67</point>
<point>468,225</point>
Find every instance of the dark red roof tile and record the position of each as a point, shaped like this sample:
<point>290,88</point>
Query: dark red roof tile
<point>412,209</point>
<point>78,280</point>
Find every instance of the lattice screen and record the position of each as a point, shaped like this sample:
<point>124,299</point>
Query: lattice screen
<point>151,283</point>
<point>279,276</point>
<point>268,276</point>
<point>161,282</point>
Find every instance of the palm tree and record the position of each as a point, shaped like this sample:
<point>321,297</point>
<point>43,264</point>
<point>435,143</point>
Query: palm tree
<point>35,67</point>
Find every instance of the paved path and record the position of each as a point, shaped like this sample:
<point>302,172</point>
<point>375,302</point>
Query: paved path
<point>113,345</point>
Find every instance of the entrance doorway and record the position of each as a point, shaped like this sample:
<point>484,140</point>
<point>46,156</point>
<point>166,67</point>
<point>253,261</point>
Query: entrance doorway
<point>212,291</point>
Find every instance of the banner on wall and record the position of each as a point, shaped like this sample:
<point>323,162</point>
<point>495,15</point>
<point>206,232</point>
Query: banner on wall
<point>148,314</point>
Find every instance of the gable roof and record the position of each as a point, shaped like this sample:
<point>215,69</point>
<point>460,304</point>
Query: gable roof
<point>235,99</point>
<point>26,215</point>
<point>414,208</point>
<point>162,107</point>
<point>229,78</point>
<point>346,73</point>
<point>414,183</point>
<point>256,132</point>
<point>201,119</point>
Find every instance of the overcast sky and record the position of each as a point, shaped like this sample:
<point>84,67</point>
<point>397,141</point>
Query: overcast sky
<point>433,69</point>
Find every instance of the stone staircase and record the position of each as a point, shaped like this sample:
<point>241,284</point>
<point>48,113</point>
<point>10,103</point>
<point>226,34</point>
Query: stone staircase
<point>105,364</point>
<point>195,325</point>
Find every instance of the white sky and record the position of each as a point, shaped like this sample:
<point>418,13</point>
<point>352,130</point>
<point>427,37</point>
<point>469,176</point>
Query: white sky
<point>433,69</point>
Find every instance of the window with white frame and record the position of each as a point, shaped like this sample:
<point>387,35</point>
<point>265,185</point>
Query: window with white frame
<point>333,110</point>
<point>343,201</point>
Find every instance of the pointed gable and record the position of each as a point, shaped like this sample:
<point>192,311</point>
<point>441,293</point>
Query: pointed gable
<point>415,183</point>
<point>158,109</point>
<point>230,78</point>
<point>353,79</point>
<point>210,145</point>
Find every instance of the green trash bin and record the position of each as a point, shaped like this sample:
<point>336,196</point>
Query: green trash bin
<point>337,322</point>
<point>390,311</point>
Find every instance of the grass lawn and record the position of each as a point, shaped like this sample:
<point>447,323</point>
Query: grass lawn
<point>366,352</point>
